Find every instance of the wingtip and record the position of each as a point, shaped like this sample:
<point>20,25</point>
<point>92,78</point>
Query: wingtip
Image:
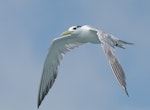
<point>126,92</point>
<point>38,105</point>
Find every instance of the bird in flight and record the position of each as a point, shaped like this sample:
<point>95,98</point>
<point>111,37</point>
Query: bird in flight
<point>74,37</point>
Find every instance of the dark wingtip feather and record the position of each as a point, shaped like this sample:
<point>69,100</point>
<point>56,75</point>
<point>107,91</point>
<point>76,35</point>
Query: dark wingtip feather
<point>126,92</point>
<point>49,85</point>
<point>39,103</point>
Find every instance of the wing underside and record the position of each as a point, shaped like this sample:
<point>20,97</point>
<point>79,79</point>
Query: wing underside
<point>56,52</point>
<point>108,44</point>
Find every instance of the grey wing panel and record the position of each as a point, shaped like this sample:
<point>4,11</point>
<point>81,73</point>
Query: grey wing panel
<point>108,47</point>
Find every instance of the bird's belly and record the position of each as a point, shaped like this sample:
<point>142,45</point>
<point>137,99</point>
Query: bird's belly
<point>90,37</point>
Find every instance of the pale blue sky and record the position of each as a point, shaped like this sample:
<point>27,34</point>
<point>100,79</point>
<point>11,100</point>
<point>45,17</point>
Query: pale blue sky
<point>85,81</point>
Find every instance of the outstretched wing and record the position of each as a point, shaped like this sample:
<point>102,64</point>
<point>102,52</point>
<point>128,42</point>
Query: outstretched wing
<point>56,51</point>
<point>108,44</point>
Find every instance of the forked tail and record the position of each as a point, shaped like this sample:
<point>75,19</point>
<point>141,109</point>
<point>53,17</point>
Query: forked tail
<point>121,43</point>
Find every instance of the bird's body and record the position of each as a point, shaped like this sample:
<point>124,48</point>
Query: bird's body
<point>74,37</point>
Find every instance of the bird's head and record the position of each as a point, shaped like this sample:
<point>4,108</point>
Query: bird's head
<point>71,30</point>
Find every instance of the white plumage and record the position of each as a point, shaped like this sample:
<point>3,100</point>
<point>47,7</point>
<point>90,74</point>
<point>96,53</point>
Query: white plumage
<point>74,37</point>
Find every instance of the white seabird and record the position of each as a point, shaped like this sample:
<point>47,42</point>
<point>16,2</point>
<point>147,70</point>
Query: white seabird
<point>74,37</point>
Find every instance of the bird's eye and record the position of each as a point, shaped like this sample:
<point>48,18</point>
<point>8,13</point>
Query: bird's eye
<point>74,28</point>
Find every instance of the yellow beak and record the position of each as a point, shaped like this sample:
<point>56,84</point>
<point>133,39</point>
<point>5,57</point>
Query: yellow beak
<point>66,33</point>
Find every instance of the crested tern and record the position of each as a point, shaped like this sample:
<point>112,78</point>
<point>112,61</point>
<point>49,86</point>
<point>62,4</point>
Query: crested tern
<point>76,36</point>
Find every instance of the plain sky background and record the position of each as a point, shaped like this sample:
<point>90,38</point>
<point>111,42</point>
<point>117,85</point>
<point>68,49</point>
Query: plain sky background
<point>85,81</point>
